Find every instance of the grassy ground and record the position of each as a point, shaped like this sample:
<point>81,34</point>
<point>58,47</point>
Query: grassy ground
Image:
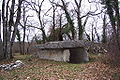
<point>37,69</point>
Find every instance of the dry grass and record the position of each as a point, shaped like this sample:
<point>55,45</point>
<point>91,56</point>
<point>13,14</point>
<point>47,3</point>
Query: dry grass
<point>37,69</point>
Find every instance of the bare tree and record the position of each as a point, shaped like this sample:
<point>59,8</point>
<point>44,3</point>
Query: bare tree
<point>112,7</point>
<point>37,7</point>
<point>23,24</point>
<point>24,28</point>
<point>60,32</point>
<point>92,32</point>
<point>1,46</point>
<point>8,24</point>
<point>104,35</point>
<point>54,19</point>
<point>4,28</point>
<point>18,35</point>
<point>52,34</point>
<point>80,27</point>
<point>88,36</point>
<point>97,35</point>
<point>0,27</point>
<point>81,19</point>
<point>69,19</point>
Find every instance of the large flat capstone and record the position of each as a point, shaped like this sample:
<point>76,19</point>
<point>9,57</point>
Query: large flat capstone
<point>61,44</point>
<point>68,51</point>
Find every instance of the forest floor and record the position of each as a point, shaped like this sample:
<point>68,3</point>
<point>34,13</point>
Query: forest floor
<point>37,69</point>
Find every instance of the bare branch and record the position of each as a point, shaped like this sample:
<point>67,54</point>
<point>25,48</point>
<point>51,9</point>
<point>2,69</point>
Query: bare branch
<point>92,14</point>
<point>56,4</point>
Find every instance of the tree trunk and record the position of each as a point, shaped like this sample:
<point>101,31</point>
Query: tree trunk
<point>24,30</point>
<point>19,39</point>
<point>104,35</point>
<point>53,27</point>
<point>70,21</point>
<point>116,4</point>
<point>42,28</point>
<point>4,19</point>
<point>113,21</point>
<point>80,27</point>
<point>98,38</point>
<point>88,36</point>
<point>92,32</point>
<point>60,31</point>
<point>1,45</point>
<point>15,27</point>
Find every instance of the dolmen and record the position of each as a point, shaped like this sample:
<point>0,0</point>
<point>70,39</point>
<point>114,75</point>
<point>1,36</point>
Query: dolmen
<point>72,51</point>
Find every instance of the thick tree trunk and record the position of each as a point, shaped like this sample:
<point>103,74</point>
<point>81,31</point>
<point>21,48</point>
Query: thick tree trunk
<point>80,26</point>
<point>1,45</point>
<point>15,27</point>
<point>24,30</point>
<point>92,32</point>
<point>1,50</point>
<point>53,26</point>
<point>113,21</point>
<point>8,22</point>
<point>116,4</point>
<point>42,29</point>
<point>60,31</point>
<point>0,26</point>
<point>70,21</point>
<point>19,39</point>
<point>4,19</point>
<point>104,35</point>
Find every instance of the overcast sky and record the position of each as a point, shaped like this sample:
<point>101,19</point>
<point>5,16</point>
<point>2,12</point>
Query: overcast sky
<point>86,6</point>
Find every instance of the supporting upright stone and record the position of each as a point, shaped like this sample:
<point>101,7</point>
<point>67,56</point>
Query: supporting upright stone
<point>54,54</point>
<point>78,55</point>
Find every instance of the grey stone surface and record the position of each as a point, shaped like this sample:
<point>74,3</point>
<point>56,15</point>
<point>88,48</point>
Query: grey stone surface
<point>68,51</point>
<point>61,44</point>
<point>56,55</point>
